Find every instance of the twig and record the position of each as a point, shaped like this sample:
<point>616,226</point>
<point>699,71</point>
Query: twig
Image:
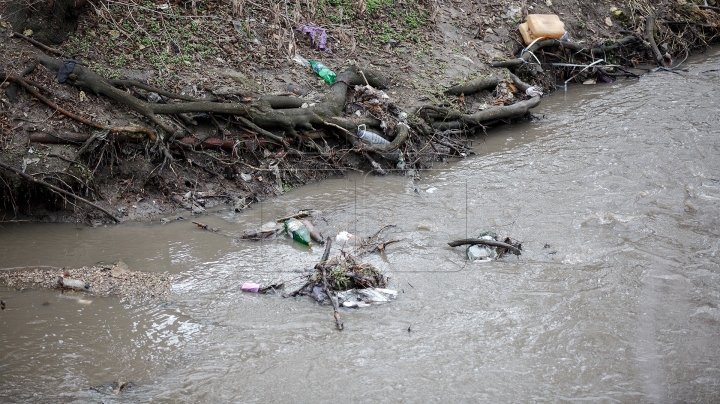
<point>30,178</point>
<point>40,45</point>
<point>302,213</point>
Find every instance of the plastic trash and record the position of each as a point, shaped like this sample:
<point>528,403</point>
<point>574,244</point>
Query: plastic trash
<point>533,91</point>
<point>344,237</point>
<point>73,284</point>
<point>365,297</point>
<point>373,138</point>
<point>525,33</point>
<point>314,232</point>
<point>370,137</point>
<point>65,70</point>
<point>298,231</point>
<point>317,34</point>
<point>301,60</point>
<point>539,26</point>
<point>323,71</point>
<point>250,287</point>
<point>481,252</point>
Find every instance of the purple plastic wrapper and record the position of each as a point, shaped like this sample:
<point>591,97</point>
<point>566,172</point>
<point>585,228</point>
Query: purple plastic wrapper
<point>317,34</point>
<point>250,287</point>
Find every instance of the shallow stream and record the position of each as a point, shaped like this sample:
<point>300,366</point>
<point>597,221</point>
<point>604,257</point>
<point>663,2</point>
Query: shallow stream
<point>615,193</point>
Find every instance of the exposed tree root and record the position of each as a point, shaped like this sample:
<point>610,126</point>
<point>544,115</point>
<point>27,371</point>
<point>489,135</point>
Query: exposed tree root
<point>129,129</point>
<point>473,86</point>
<point>444,119</point>
<point>408,142</point>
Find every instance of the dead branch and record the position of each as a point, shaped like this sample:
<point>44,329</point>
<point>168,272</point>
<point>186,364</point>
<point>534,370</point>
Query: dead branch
<point>40,45</point>
<point>493,243</point>
<point>322,266</point>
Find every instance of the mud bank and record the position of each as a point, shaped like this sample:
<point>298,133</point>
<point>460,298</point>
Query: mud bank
<point>423,48</point>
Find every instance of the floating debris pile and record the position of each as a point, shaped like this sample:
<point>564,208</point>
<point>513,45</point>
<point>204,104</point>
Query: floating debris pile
<point>486,247</point>
<point>133,287</point>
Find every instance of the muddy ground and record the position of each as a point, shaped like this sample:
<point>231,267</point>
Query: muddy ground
<point>238,48</point>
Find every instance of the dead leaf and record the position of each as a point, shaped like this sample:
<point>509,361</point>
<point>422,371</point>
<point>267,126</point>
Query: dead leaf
<point>28,32</point>
<point>608,22</point>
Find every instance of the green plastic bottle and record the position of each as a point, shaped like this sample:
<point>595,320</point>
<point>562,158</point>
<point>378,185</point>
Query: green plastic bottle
<point>323,71</point>
<point>298,231</point>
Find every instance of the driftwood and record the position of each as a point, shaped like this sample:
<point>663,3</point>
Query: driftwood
<point>32,179</point>
<point>492,243</point>
<point>322,266</point>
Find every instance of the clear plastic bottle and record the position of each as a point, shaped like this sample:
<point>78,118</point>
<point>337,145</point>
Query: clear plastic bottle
<point>370,137</point>
<point>373,138</point>
<point>298,231</point>
<point>323,71</point>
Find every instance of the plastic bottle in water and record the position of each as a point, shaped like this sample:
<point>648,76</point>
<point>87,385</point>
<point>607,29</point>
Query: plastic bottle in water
<point>298,231</point>
<point>323,71</point>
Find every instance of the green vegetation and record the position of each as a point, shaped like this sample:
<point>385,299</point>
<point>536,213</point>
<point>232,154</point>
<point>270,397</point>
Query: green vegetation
<point>374,5</point>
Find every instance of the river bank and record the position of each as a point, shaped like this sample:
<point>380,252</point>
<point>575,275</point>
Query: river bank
<point>422,48</point>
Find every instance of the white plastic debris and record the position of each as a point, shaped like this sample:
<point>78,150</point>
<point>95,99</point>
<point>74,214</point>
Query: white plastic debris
<point>344,238</point>
<point>533,91</point>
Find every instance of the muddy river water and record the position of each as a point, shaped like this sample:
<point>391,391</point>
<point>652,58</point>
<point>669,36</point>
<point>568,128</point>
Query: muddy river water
<point>615,194</point>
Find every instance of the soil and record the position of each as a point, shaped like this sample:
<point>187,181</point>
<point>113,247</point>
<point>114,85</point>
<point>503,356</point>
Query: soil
<point>238,48</point>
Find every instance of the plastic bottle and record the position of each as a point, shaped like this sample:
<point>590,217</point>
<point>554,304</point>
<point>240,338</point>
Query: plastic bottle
<point>373,138</point>
<point>301,60</point>
<point>73,284</point>
<point>323,71</point>
<point>481,252</point>
<point>298,231</point>
<point>370,137</point>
